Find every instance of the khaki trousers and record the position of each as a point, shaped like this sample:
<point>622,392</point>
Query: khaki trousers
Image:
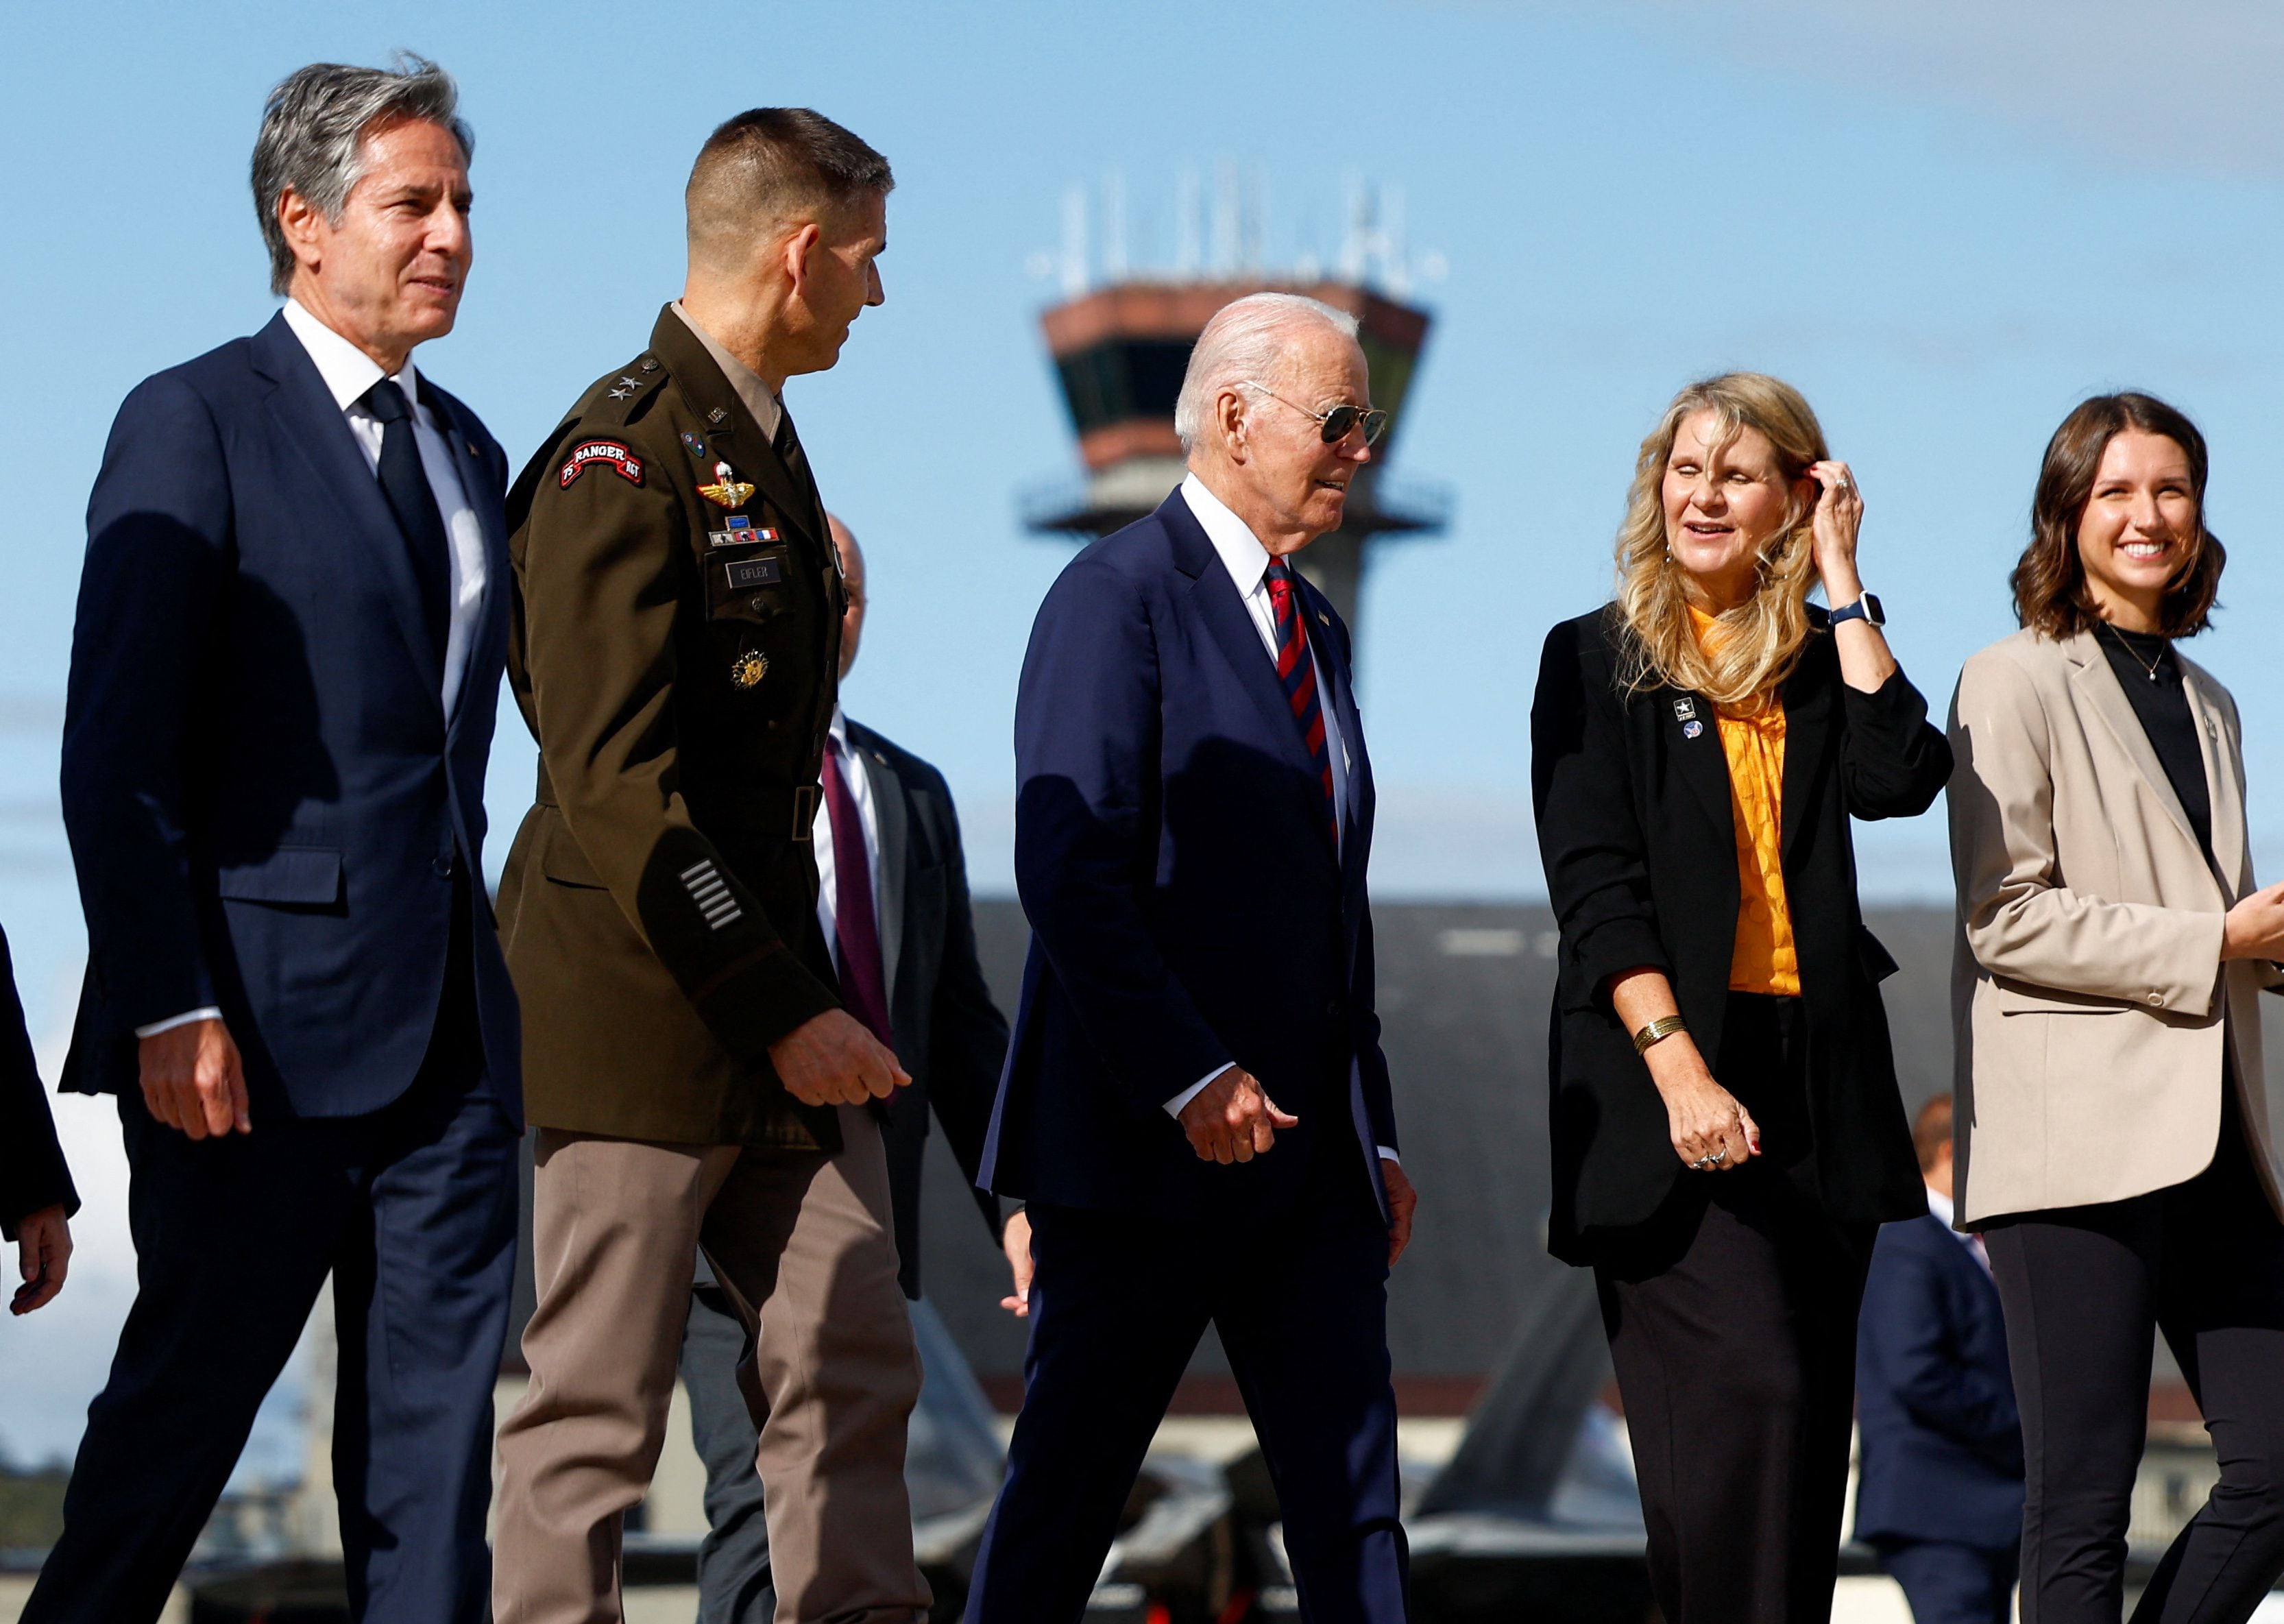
<point>802,1240</point>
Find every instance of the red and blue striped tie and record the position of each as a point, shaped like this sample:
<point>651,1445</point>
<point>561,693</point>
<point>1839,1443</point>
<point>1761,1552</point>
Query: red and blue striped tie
<point>1298,674</point>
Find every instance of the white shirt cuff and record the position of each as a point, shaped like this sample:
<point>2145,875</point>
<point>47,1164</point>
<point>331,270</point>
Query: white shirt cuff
<point>1174,1106</point>
<point>1387,1154</point>
<point>156,1027</point>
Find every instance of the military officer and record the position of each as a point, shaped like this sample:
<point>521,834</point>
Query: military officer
<point>693,1077</point>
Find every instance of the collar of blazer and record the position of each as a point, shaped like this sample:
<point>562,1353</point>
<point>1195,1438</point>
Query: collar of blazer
<point>1232,628</point>
<point>311,420</point>
<point>2098,689</point>
<point>710,395</point>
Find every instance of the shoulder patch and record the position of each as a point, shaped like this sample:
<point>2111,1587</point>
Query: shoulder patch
<point>612,454</point>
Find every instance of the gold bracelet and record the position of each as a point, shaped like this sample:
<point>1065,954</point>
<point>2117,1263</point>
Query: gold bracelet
<point>1665,1026</point>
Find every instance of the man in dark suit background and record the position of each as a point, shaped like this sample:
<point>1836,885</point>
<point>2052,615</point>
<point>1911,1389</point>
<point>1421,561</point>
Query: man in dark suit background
<point>291,624</point>
<point>36,1197</point>
<point>1940,1493</point>
<point>901,927</point>
<point>1196,1108</point>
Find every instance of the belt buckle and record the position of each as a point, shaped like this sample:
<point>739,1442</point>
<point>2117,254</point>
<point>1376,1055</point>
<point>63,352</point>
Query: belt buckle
<point>805,799</point>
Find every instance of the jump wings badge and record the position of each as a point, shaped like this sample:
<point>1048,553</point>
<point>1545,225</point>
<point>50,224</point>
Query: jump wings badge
<point>727,490</point>
<point>747,670</point>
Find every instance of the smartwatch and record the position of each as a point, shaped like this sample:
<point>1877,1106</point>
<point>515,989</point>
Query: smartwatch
<point>1865,608</point>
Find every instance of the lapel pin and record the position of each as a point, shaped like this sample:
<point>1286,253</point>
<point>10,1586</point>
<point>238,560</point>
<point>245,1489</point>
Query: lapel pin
<point>1691,729</point>
<point>1685,710</point>
<point>718,416</point>
<point>727,490</point>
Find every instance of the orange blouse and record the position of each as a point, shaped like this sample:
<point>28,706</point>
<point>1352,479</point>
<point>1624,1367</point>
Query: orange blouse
<point>1764,958</point>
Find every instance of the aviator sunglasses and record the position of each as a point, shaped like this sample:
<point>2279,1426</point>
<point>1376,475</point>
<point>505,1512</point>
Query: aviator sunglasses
<point>1336,421</point>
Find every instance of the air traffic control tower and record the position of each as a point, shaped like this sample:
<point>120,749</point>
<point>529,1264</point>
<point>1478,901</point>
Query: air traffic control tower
<point>1119,347</point>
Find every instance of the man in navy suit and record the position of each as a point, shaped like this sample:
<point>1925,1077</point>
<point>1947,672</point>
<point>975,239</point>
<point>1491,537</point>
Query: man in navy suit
<point>1940,1497</point>
<point>291,624</point>
<point>1195,1106</point>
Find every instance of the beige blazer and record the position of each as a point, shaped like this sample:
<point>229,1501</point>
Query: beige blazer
<point>2090,1007</point>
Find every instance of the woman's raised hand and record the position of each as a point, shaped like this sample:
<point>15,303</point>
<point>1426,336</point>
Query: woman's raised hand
<point>1835,523</point>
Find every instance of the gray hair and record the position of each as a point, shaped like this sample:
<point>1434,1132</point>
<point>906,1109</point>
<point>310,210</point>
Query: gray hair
<point>313,131</point>
<point>1243,343</point>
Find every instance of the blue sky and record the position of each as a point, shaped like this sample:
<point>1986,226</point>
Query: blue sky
<point>1945,223</point>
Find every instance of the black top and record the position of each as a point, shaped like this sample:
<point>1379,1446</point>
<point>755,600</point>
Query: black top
<point>2150,673</point>
<point>1634,824</point>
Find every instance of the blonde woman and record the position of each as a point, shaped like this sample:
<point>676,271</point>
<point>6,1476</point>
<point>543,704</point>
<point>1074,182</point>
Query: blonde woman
<point>2117,1141</point>
<point>1727,1136</point>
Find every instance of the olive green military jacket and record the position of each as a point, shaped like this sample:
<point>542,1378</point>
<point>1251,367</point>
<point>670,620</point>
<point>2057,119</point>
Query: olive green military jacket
<point>674,649</point>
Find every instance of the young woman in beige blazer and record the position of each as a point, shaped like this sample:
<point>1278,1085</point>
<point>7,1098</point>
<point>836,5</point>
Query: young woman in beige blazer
<point>2117,1145</point>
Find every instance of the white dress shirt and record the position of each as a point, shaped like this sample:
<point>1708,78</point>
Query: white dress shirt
<point>820,840</point>
<point>348,372</point>
<point>1247,562</point>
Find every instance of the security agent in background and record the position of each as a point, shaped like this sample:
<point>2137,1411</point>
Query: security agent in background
<point>292,621</point>
<point>695,1076</point>
<point>1940,1494</point>
<point>893,901</point>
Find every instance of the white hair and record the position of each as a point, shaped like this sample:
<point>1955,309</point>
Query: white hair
<point>1243,343</point>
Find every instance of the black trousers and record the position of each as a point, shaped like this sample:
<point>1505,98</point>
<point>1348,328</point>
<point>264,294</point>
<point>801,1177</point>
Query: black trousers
<point>1732,1320</point>
<point>412,1210</point>
<point>2086,1290</point>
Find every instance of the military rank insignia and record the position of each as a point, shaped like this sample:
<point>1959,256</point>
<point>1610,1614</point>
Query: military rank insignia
<point>606,453</point>
<point>727,490</point>
<point>747,670</point>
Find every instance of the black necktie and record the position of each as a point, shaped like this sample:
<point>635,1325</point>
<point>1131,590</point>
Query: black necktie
<point>405,481</point>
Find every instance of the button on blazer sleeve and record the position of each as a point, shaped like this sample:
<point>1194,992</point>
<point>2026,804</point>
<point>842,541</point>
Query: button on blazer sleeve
<point>2022,920</point>
<point>1590,837</point>
<point>604,577</point>
<point>1087,804</point>
<point>159,528</point>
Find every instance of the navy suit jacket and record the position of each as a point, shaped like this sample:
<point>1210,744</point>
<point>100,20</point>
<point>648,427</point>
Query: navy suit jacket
<point>265,798</point>
<point>1188,909</point>
<point>1941,1443</point>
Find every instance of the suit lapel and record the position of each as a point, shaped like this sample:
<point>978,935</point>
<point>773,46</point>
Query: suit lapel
<point>890,817</point>
<point>2097,686</point>
<point>306,417</point>
<point>1232,628</point>
<point>750,452</point>
<point>491,520</point>
<point>2207,710</point>
<point>1698,760</point>
<point>1339,685</point>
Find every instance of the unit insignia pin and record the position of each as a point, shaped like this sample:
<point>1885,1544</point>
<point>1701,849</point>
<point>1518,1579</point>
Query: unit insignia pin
<point>695,444</point>
<point>749,668</point>
<point>727,490</point>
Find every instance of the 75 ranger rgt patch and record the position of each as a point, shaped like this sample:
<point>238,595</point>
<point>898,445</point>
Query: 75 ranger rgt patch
<point>604,453</point>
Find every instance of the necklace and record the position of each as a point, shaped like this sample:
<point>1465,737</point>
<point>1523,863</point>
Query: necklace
<point>2148,666</point>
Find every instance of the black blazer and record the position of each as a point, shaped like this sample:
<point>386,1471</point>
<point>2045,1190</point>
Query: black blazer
<point>950,1035</point>
<point>33,1176</point>
<point>1633,808</point>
